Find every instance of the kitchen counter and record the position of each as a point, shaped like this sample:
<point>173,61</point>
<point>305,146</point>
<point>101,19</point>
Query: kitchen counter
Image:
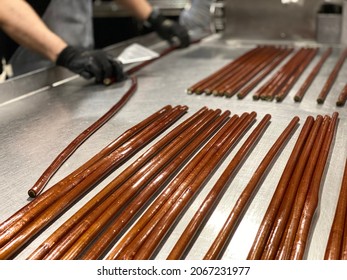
<point>35,125</point>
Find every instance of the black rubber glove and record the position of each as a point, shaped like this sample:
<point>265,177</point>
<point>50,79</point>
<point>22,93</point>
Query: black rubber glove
<point>168,29</point>
<point>89,64</point>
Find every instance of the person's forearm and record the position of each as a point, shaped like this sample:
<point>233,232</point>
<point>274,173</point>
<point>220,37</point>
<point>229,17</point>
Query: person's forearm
<point>141,9</point>
<point>23,25</point>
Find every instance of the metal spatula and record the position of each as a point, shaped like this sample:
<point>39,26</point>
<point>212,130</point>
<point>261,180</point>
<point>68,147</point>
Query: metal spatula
<point>136,53</point>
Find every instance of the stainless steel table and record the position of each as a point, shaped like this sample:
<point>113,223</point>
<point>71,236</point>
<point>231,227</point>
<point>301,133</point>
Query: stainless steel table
<point>35,126</point>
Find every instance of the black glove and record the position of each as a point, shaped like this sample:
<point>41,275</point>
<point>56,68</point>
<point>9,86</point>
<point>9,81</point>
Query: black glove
<point>89,64</point>
<point>168,29</point>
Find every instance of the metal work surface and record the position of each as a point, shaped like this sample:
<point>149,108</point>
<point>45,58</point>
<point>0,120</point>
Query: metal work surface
<point>34,129</point>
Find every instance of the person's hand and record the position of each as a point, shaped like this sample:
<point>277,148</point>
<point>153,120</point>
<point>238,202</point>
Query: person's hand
<point>89,64</point>
<point>168,29</point>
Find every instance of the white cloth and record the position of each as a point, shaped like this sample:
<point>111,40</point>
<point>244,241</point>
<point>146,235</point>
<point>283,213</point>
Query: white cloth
<point>71,20</point>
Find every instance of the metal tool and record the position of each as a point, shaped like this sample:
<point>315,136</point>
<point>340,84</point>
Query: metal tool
<point>136,53</point>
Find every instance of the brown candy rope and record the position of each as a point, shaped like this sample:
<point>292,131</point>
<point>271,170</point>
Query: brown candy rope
<point>282,217</point>
<point>128,190</point>
<point>78,141</point>
<point>59,188</point>
<point>268,69</point>
<point>67,152</point>
<point>161,227</point>
<point>240,78</point>
<point>311,202</point>
<point>285,248</point>
<point>33,221</point>
<point>295,76</point>
<point>211,199</point>
<point>268,90</point>
<point>264,230</point>
<point>109,235</point>
<point>175,187</point>
<point>201,85</point>
<point>304,87</point>
<point>332,77</point>
<point>43,249</point>
<point>335,248</point>
<point>224,235</point>
<point>341,101</point>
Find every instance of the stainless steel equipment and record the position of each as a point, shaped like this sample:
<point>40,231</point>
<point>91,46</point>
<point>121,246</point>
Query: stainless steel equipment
<point>40,113</point>
<point>272,19</point>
